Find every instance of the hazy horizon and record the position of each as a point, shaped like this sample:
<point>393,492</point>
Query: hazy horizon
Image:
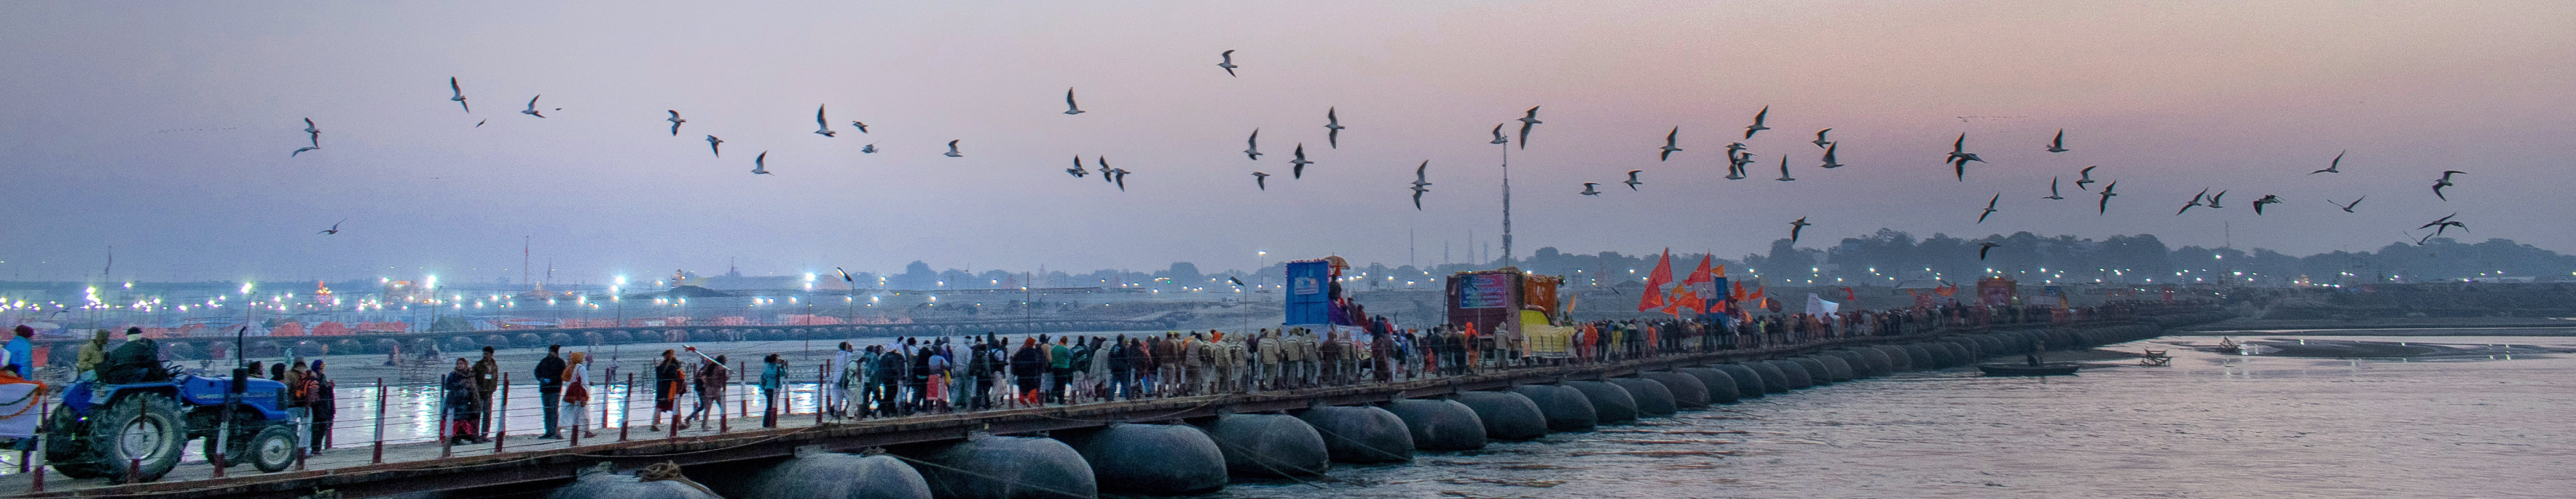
<point>163,130</point>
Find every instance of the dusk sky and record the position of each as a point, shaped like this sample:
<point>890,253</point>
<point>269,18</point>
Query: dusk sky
<point>163,129</point>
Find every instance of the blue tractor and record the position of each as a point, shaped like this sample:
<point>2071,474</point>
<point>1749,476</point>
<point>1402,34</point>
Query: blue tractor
<point>135,420</point>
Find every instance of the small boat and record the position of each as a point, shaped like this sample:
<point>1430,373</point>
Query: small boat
<point>2051,369</point>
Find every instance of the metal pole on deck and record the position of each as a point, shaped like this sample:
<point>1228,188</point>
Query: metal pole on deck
<point>818,391</point>
<point>380,423</point>
<point>629,408</point>
<point>501,416</point>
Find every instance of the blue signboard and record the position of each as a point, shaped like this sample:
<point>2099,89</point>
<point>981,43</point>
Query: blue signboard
<point>1308,301</point>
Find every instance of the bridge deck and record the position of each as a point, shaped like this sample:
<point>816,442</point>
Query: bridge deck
<point>348,472</point>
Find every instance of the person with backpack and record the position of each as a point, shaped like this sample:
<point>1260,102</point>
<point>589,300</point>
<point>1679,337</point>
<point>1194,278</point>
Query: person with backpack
<point>889,380</point>
<point>299,397</point>
<point>549,376</point>
<point>576,392</point>
<point>670,380</point>
<point>323,404</point>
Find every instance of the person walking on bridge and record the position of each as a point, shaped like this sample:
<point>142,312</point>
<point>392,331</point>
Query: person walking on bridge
<point>576,394</point>
<point>670,381</point>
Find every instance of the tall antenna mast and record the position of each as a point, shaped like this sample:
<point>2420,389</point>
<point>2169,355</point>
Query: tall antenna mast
<point>1507,205</point>
<point>524,242</point>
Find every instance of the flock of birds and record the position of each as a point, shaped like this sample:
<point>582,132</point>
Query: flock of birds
<point>1737,153</point>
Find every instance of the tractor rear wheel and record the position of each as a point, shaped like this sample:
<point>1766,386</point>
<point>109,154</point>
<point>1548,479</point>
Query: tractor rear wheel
<point>143,432</point>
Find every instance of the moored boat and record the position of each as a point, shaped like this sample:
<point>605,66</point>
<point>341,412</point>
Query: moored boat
<point>2028,370</point>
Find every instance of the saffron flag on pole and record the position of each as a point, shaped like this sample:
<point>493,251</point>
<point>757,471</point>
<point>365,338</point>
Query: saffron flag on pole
<point>1656,281</point>
<point>1686,299</point>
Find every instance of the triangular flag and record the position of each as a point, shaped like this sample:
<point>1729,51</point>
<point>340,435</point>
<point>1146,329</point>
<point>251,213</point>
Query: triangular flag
<point>1655,283</point>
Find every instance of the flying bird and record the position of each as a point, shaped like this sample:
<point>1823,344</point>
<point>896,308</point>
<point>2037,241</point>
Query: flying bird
<point>2106,197</point>
<point>1422,183</point>
<point>2347,207</point>
<point>1830,162</point>
<point>300,150</point>
<point>952,150</point>
<point>1069,106</point>
<point>313,133</point>
<point>532,107</point>
<point>2213,200</point>
<point>2446,219</point>
<point>870,149</point>
<point>1959,157</point>
<point>1333,127</point>
<point>1735,168</point>
<point>1120,177</point>
<point>863,127</point>
<point>1796,226</point>
<point>1228,64</point>
<point>2445,181</point>
<point>1669,139</point>
<point>2335,166</point>
<point>2266,199</point>
<point>1990,209</point>
<point>2088,177</point>
<point>335,227</point>
<point>2052,190</point>
<point>1982,247</point>
<point>2058,144</point>
<point>1261,180</point>
<point>460,94</point>
<point>1757,122</point>
<point>1588,191</point>
<point>1252,145</point>
<point>760,164</point>
<point>1528,119</point>
<point>1498,135</point>
<point>1784,170</point>
<point>1299,168</point>
<point>1077,170</point>
<point>715,145</point>
<point>1107,174</point>
<point>826,125</point>
<point>1820,138</point>
<point>675,121</point>
<point>479,123</point>
<point>1734,147</point>
<point>1632,180</point>
<point>2195,201</point>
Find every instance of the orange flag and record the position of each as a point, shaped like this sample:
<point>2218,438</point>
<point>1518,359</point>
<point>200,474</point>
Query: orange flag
<point>1655,282</point>
<point>1688,299</point>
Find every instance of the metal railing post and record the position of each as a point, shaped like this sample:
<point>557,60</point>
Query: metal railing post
<point>501,416</point>
<point>819,384</point>
<point>44,431</point>
<point>380,423</point>
<point>629,408</point>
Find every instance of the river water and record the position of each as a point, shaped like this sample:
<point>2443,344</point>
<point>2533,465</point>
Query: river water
<point>2207,426</point>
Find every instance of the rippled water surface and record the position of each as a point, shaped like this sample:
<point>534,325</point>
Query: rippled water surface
<point>2209,425</point>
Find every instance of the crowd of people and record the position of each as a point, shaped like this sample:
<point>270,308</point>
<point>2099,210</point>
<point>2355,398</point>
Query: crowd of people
<point>906,376</point>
